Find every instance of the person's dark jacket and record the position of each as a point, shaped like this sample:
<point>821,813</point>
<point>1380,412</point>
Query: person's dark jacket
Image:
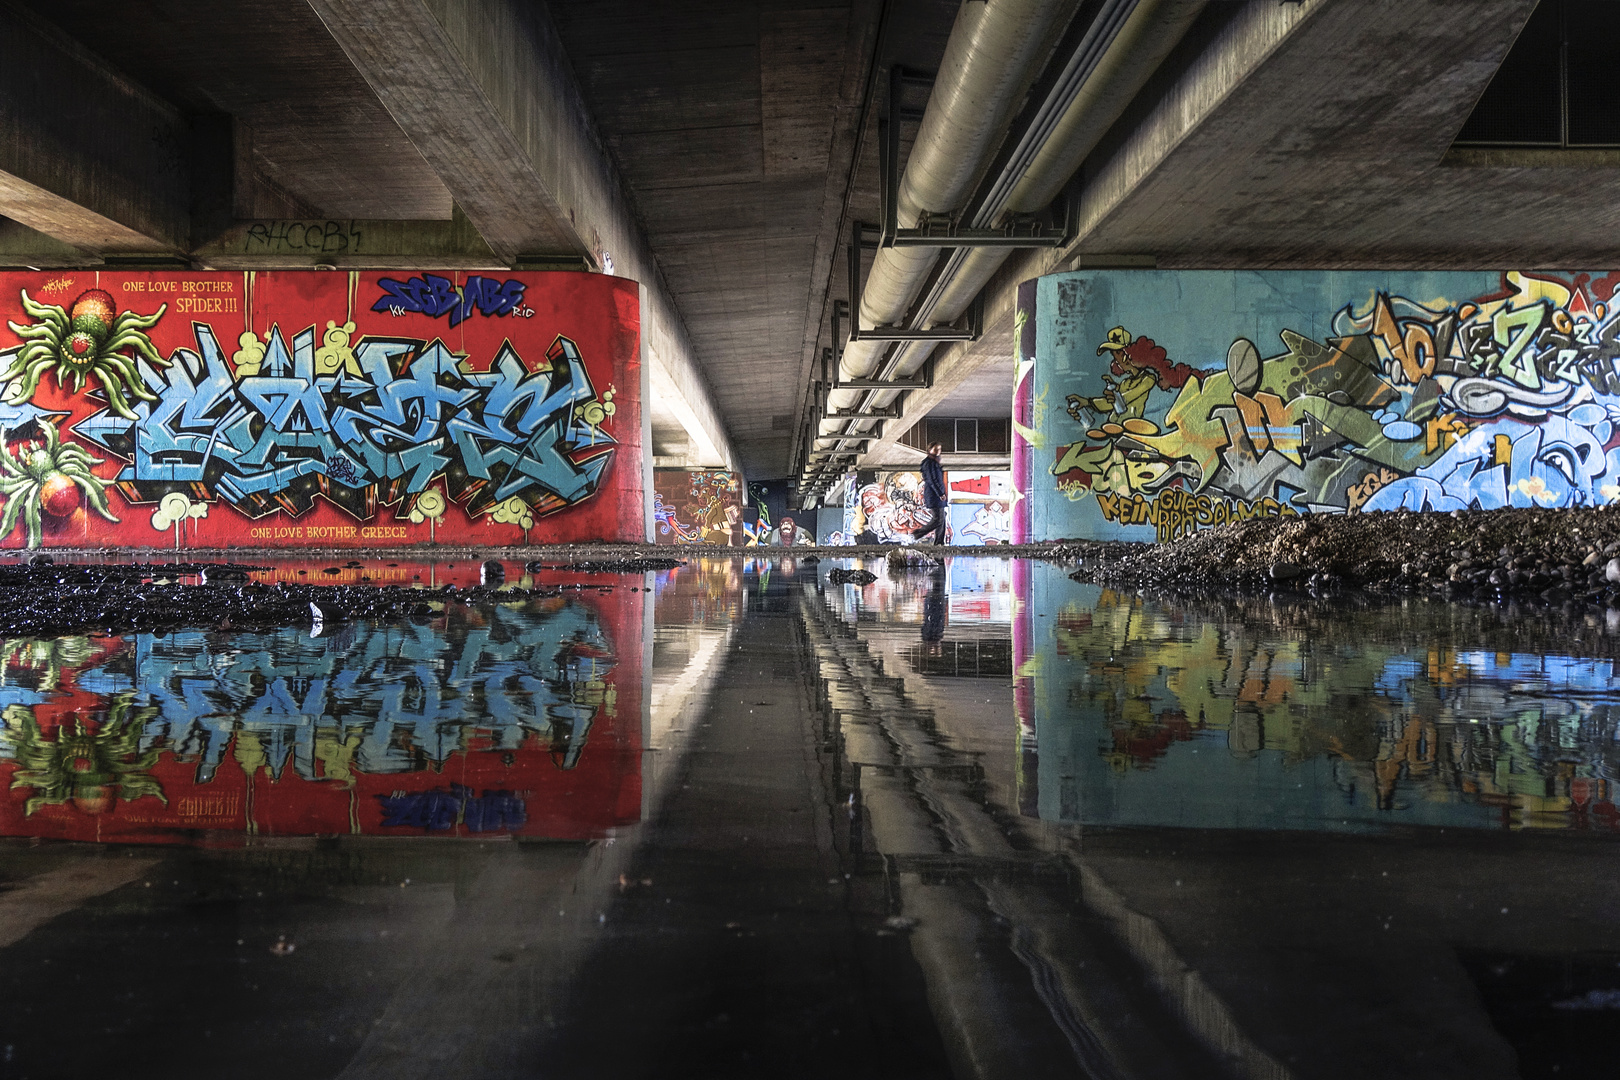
<point>933,482</point>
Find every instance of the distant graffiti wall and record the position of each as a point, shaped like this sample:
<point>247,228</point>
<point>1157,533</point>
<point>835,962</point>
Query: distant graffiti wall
<point>1151,404</point>
<point>830,527</point>
<point>886,508</point>
<point>295,408</point>
<point>981,508</point>
<point>698,506</point>
<point>768,500</point>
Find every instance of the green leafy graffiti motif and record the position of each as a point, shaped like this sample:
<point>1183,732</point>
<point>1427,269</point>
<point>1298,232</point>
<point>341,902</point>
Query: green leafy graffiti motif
<point>87,339</point>
<point>37,663</point>
<point>42,480</point>
<point>87,764</point>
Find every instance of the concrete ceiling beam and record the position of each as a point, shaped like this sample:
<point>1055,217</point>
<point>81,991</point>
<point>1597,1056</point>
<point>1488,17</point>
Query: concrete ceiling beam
<point>1319,135</point>
<point>485,91</point>
<point>87,156</point>
<point>480,107</point>
<point>21,246</point>
<point>352,244</point>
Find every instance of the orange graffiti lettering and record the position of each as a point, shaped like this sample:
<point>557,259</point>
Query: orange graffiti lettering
<point>1441,431</point>
<point>1356,495</point>
<point>1414,348</point>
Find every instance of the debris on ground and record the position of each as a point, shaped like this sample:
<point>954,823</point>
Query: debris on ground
<point>1551,556</point>
<point>48,599</point>
<point>608,566</point>
<point>910,558</point>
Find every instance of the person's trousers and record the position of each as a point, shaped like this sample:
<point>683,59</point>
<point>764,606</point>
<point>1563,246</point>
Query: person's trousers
<point>938,528</point>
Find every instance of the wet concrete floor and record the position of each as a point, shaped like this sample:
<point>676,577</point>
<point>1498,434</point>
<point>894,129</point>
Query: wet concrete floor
<point>730,819</point>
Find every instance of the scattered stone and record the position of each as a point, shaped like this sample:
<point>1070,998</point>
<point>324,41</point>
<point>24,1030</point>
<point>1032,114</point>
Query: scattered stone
<point>492,572</point>
<point>37,601</point>
<point>609,566</point>
<point>840,576</point>
<point>1527,555</point>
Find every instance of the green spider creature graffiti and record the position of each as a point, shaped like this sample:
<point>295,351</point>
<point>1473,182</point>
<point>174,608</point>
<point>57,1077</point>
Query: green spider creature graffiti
<point>87,339</point>
<point>86,764</point>
<point>46,480</point>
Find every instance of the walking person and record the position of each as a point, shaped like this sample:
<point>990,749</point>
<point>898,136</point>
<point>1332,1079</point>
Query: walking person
<point>934,496</point>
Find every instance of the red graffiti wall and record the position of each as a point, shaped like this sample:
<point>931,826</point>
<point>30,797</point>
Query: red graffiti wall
<point>330,409</point>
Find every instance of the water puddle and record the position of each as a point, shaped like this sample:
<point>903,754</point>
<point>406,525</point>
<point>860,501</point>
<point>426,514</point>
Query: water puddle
<point>970,812</point>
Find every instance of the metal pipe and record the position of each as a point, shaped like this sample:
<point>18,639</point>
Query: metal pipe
<point>1124,44</point>
<point>995,50</point>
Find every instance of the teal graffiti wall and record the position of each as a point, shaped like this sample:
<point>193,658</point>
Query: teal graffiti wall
<point>1156,403</point>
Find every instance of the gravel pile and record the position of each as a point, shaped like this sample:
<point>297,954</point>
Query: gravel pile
<point>609,566</point>
<point>42,600</point>
<point>1547,556</point>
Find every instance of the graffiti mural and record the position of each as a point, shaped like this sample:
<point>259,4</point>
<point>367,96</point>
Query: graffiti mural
<point>830,527</point>
<point>980,508</point>
<point>767,503</point>
<point>1157,403</point>
<point>288,408</point>
<point>887,508</point>
<point>508,719</point>
<point>697,506</point>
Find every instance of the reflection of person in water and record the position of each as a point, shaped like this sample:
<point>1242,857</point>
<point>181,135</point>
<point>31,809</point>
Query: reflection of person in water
<point>934,612</point>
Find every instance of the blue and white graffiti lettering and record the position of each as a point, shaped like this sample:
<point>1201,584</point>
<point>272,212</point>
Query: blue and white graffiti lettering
<point>437,296</point>
<point>274,439</point>
<point>440,810</point>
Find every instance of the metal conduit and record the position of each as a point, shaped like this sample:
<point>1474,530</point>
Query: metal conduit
<point>995,50</point>
<point>1123,46</point>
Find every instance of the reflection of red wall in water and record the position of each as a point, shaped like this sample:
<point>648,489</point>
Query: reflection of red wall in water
<point>602,791</point>
<point>599,314</point>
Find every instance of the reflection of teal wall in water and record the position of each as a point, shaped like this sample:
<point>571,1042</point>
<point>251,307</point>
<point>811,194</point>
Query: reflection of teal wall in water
<point>1362,390</point>
<point>1145,717</point>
